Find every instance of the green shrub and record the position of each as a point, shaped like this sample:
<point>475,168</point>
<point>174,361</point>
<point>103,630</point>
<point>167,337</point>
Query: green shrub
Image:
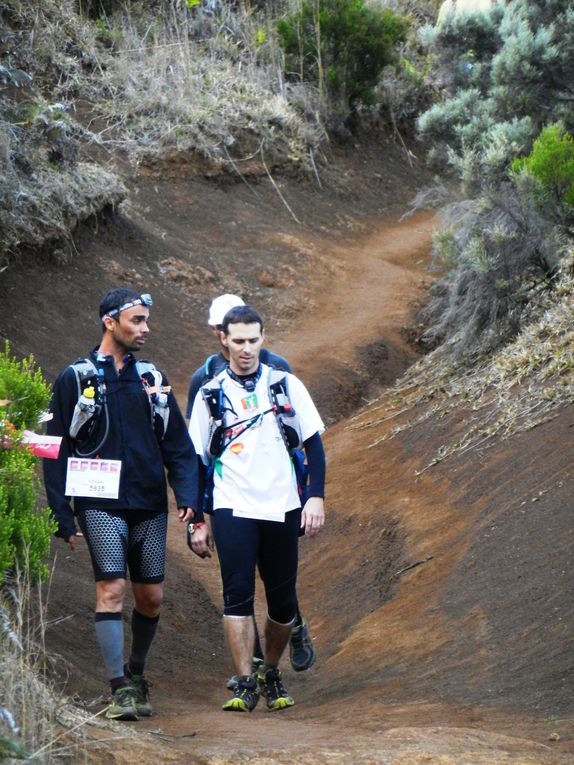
<point>341,44</point>
<point>25,530</point>
<point>23,386</point>
<point>551,164</point>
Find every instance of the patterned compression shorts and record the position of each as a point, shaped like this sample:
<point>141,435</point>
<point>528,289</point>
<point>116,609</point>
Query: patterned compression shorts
<point>119,541</point>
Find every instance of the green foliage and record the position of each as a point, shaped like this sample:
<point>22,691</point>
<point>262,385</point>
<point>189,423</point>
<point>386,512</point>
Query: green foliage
<point>24,387</point>
<point>12,750</point>
<point>500,80</point>
<point>551,163</point>
<point>341,43</point>
<point>509,73</point>
<point>24,530</point>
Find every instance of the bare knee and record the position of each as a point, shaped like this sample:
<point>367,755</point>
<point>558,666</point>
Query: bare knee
<point>110,595</point>
<point>148,598</point>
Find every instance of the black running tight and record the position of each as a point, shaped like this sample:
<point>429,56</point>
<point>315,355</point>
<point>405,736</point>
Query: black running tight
<point>243,544</point>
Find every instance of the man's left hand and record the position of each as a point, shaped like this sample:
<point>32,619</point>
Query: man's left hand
<point>313,516</point>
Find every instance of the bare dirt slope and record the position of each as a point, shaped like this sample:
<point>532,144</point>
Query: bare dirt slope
<point>463,659</point>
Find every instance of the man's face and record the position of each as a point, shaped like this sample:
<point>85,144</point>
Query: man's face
<point>130,329</point>
<point>243,341</point>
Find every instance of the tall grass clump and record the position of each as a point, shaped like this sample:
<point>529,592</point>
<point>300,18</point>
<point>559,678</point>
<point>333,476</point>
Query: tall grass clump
<point>505,79</point>
<point>27,706</point>
<point>203,79</point>
<point>528,381</point>
<point>46,187</point>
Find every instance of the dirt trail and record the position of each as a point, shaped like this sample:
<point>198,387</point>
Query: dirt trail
<point>339,716</point>
<point>378,280</point>
<point>438,666</point>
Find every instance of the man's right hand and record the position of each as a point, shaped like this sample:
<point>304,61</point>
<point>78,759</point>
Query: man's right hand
<point>201,541</point>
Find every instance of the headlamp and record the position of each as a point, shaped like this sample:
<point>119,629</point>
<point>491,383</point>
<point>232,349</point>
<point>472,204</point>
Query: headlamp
<point>144,299</point>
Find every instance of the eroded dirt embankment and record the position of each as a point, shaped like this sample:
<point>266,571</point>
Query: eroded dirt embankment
<point>415,664</point>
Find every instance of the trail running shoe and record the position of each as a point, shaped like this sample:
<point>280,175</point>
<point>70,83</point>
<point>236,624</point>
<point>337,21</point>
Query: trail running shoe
<point>256,668</point>
<point>123,706</point>
<point>301,649</point>
<point>140,688</point>
<point>274,691</point>
<point>245,695</point>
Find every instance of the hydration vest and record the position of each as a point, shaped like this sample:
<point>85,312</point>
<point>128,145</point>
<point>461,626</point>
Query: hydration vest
<point>280,405</point>
<point>286,417</point>
<point>90,408</point>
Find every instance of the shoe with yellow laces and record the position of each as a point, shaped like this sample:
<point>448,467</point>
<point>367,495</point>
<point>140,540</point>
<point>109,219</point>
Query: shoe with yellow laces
<point>274,691</point>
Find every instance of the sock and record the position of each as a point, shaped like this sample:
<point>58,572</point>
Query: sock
<point>257,650</point>
<point>110,635</point>
<point>118,682</point>
<point>298,621</point>
<point>143,633</point>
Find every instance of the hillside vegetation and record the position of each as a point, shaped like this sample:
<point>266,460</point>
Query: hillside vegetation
<point>498,321</point>
<point>244,87</point>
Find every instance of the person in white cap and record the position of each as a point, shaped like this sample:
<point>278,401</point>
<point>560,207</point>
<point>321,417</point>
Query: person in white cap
<point>301,649</point>
<point>220,306</point>
<point>217,362</point>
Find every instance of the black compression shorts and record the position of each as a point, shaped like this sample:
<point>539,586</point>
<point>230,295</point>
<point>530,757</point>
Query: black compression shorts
<point>121,540</point>
<point>243,544</point>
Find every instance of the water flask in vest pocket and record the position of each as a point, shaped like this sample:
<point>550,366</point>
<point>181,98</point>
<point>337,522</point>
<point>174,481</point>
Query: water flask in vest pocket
<point>84,410</point>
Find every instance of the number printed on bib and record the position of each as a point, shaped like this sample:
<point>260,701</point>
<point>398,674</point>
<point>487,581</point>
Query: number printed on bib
<point>93,478</point>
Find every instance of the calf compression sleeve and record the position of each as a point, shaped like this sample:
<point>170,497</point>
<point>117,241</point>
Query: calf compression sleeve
<point>110,635</point>
<point>143,633</point>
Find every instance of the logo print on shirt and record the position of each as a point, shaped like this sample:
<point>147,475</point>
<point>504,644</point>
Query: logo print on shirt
<point>249,402</point>
<point>236,447</point>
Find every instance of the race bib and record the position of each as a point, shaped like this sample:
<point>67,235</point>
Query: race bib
<point>259,515</point>
<point>93,478</point>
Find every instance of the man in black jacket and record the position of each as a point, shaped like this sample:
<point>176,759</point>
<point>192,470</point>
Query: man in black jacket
<point>121,426</point>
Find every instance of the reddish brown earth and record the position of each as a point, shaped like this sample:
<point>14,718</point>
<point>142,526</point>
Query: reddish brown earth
<point>465,659</point>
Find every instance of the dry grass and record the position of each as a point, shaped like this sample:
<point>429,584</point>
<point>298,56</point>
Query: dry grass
<point>523,384</point>
<point>210,84</point>
<point>36,723</point>
<point>28,707</point>
<point>44,190</point>
<point>43,206</point>
<point>174,79</point>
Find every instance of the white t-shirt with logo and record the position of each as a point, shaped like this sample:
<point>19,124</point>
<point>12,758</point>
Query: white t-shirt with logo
<point>254,475</point>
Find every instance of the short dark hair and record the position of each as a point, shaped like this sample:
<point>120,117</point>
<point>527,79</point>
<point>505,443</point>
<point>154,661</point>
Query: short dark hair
<point>115,298</point>
<point>241,314</point>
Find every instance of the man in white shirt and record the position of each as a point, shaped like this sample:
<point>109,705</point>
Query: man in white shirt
<point>257,511</point>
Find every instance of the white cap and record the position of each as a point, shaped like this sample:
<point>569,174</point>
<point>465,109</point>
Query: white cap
<point>220,306</point>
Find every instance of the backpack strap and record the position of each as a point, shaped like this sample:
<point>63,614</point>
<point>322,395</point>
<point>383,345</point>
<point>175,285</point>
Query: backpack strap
<point>88,407</point>
<point>86,374</point>
<point>152,381</point>
<point>212,394</point>
<point>287,417</point>
<point>209,367</point>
